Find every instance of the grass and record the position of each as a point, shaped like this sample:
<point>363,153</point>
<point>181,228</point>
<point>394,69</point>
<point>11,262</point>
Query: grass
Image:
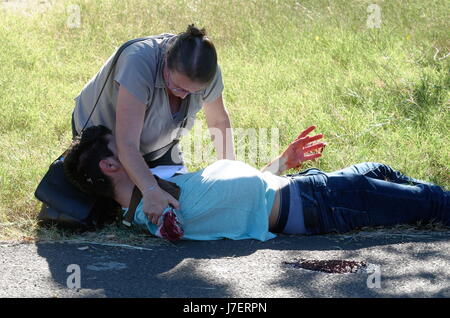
<point>377,94</point>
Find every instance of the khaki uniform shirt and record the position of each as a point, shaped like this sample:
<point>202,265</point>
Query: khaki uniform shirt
<point>140,70</point>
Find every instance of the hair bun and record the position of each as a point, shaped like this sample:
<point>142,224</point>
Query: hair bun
<point>192,30</point>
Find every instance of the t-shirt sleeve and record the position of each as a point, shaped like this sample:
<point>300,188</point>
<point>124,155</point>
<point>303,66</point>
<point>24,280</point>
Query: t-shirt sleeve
<point>215,88</point>
<point>133,72</point>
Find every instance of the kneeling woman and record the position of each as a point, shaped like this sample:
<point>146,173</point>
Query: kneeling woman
<point>230,199</point>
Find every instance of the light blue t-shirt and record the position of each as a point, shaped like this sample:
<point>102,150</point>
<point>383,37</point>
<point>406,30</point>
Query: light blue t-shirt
<point>227,199</point>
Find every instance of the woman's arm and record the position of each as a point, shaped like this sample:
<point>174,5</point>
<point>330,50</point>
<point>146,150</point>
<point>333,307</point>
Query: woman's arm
<point>219,125</point>
<point>130,114</point>
<point>296,153</point>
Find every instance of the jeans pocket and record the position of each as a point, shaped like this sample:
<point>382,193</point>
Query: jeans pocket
<point>347,219</point>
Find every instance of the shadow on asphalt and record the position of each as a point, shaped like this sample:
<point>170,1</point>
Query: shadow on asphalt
<point>168,271</point>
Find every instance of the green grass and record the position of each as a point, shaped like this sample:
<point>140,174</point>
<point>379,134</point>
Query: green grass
<point>377,94</point>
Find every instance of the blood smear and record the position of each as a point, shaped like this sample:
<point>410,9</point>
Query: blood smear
<point>328,266</point>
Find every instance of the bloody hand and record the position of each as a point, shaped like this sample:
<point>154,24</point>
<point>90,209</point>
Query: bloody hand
<point>297,151</point>
<point>169,227</point>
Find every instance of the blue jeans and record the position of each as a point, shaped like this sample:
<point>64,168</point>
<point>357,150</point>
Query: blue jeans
<point>367,194</point>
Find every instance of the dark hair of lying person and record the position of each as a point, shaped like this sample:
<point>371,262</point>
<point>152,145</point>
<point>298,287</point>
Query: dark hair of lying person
<point>81,166</point>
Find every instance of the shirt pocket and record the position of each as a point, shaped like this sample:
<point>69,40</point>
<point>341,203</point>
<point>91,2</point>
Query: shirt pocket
<point>346,220</point>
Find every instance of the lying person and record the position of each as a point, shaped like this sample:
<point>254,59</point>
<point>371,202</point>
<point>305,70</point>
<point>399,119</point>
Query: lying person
<point>230,199</point>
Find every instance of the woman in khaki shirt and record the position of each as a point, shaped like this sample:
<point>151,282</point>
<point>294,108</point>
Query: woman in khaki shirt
<point>154,83</point>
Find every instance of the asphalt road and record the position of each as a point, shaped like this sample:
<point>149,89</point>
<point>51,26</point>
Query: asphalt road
<point>400,265</point>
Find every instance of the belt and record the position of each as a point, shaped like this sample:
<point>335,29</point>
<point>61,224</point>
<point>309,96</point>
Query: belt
<point>285,198</point>
<point>151,156</point>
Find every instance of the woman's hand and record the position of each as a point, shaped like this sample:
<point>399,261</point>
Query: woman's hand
<point>155,202</point>
<point>297,152</point>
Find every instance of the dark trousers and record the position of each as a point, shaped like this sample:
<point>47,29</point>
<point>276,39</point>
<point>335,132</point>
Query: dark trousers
<point>173,156</point>
<point>368,194</point>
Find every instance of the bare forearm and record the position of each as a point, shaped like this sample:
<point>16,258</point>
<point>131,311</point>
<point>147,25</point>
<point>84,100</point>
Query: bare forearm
<point>222,137</point>
<point>129,122</point>
<point>136,167</point>
<point>277,166</point>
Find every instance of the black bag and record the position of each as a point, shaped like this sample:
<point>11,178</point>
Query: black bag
<point>63,204</point>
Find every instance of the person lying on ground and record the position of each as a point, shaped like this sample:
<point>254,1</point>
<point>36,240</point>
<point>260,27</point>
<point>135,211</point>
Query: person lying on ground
<point>230,199</point>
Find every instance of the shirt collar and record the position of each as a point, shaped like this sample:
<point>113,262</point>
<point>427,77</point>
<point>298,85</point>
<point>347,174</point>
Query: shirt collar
<point>160,82</point>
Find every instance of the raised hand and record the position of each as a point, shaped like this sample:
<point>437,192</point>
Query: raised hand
<point>298,150</point>
<point>302,149</point>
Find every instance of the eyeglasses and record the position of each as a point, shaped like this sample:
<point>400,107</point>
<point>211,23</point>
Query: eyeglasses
<point>174,88</point>
<point>170,84</point>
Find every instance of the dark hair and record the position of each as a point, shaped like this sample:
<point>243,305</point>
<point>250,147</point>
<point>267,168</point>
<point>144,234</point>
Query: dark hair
<point>193,54</point>
<point>81,162</point>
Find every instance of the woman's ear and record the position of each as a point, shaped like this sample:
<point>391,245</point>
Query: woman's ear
<point>109,165</point>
